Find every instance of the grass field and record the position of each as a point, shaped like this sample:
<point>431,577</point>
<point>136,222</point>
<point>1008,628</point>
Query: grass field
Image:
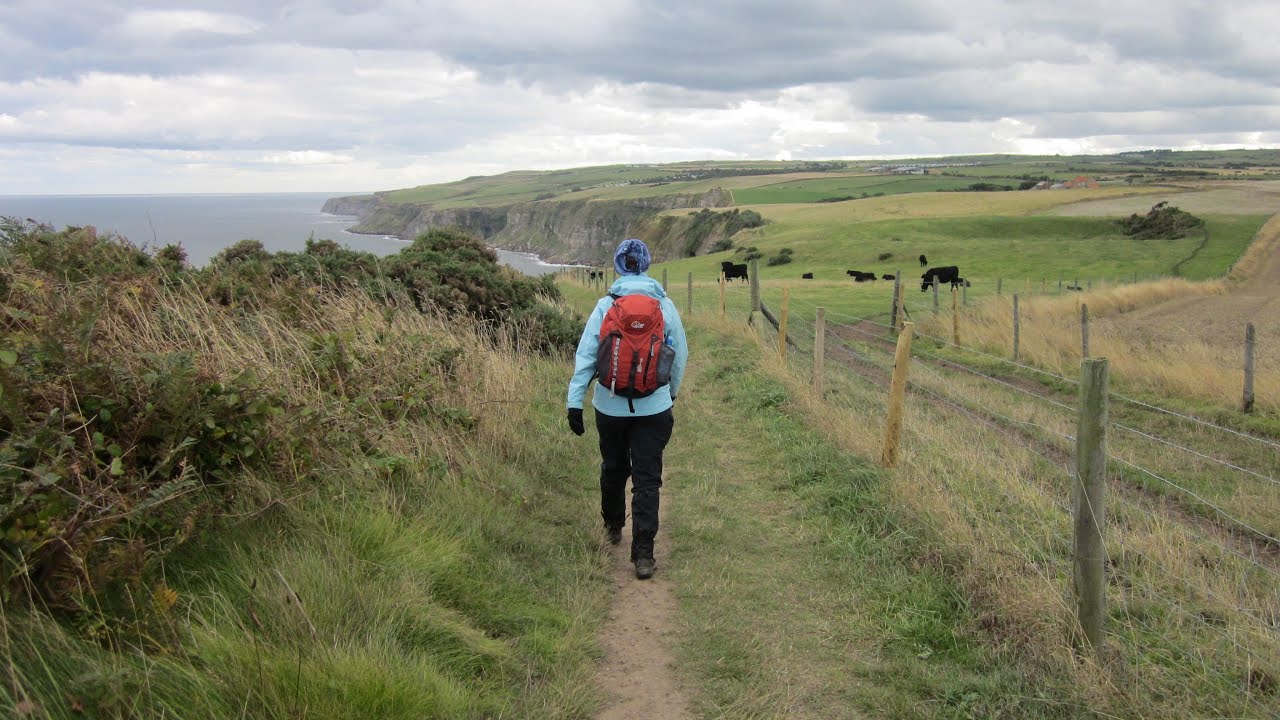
<point>628,181</point>
<point>1010,237</point>
<point>815,190</point>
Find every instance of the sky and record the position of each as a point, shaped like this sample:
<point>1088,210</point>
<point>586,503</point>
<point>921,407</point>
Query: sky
<point>106,96</point>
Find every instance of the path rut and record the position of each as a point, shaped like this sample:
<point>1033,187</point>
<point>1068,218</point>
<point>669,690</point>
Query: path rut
<point>638,667</point>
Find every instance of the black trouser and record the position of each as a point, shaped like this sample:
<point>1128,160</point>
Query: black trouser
<point>632,447</point>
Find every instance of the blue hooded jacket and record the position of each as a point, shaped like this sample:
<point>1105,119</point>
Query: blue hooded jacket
<point>585,361</point>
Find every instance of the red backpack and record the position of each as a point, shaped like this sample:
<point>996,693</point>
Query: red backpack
<point>633,359</point>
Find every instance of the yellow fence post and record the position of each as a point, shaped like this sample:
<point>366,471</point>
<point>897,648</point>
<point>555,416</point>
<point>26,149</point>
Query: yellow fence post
<point>897,389</point>
<point>819,350</point>
<point>782,324</point>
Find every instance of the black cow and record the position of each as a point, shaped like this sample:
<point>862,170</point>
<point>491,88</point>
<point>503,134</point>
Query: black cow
<point>923,261</point>
<point>595,274</point>
<point>859,276</point>
<point>807,276</point>
<point>944,274</point>
<point>887,276</point>
<point>1076,288</point>
<point>732,271</point>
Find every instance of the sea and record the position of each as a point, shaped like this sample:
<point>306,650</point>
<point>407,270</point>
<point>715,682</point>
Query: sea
<point>205,224</point>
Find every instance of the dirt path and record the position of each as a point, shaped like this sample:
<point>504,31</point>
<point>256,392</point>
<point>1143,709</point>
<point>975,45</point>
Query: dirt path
<point>637,671</point>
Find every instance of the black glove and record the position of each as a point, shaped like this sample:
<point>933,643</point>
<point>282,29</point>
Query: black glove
<point>575,421</point>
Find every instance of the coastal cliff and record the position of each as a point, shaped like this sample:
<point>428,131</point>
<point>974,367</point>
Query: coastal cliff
<point>583,231</point>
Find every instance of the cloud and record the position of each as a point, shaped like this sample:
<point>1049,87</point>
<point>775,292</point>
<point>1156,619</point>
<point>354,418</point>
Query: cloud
<point>384,93</point>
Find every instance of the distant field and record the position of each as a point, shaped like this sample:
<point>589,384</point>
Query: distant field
<point>814,190</point>
<point>1241,198</point>
<point>1010,237</point>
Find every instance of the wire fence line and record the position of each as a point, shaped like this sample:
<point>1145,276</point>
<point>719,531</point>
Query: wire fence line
<point>1232,519</point>
<point>1025,391</point>
<point>1071,381</point>
<point>1196,533</point>
<point>1198,454</point>
<point>1223,513</point>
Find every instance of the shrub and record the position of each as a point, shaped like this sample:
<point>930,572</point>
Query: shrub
<point>1162,222</point>
<point>884,256</point>
<point>721,245</point>
<point>126,416</point>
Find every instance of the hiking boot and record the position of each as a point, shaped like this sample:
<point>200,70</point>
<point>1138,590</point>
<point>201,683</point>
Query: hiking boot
<point>645,568</point>
<point>615,535</point>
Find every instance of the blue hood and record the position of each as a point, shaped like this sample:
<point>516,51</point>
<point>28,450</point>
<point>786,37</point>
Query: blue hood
<point>637,285</point>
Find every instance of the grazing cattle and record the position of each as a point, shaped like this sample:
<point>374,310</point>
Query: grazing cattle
<point>1077,288</point>
<point>859,276</point>
<point>923,261</point>
<point>595,274</point>
<point>959,282</point>
<point>807,276</point>
<point>887,276</point>
<point>944,274</point>
<point>732,271</point>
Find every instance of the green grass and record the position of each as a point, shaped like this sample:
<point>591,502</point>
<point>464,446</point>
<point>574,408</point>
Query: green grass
<point>804,591</point>
<point>1019,250</point>
<point>814,190</point>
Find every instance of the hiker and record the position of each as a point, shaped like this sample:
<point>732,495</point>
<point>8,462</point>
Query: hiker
<point>634,344</point>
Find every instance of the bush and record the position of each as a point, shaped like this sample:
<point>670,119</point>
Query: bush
<point>119,440</point>
<point>721,245</point>
<point>1162,222</point>
<point>884,256</point>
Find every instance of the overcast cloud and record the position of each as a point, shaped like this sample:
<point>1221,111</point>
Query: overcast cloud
<point>107,96</point>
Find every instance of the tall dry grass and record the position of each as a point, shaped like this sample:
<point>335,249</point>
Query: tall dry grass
<point>1166,361</point>
<point>1190,625</point>
<point>419,555</point>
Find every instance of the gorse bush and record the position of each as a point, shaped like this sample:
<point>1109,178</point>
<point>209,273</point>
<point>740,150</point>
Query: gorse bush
<point>127,413</point>
<point>1162,222</point>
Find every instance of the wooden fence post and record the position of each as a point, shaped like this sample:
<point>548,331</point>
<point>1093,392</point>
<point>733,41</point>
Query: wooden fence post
<point>902,306</point>
<point>999,283</point>
<point>1016,327</point>
<point>1247,404</point>
<point>955,320</point>
<point>722,282</point>
<point>664,280</point>
<point>819,350</point>
<point>782,324</point>
<point>1084,330</point>
<point>935,294</point>
<point>964,294</point>
<point>755,286</point>
<point>897,298</point>
<point>1059,284</point>
<point>1090,511</point>
<point>897,389</point>
<point>1090,285</point>
<point>1044,286</point>
<point>689,306</point>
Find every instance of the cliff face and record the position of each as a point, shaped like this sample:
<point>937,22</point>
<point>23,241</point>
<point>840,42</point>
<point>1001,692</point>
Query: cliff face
<point>558,231</point>
<point>350,205</point>
<point>589,230</point>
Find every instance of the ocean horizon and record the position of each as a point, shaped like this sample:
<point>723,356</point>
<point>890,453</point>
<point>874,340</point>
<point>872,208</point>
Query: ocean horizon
<point>204,224</point>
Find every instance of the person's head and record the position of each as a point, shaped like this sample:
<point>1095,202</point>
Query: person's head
<point>631,257</point>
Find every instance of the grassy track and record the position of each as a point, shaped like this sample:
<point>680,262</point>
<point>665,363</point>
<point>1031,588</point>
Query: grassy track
<point>804,594</point>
